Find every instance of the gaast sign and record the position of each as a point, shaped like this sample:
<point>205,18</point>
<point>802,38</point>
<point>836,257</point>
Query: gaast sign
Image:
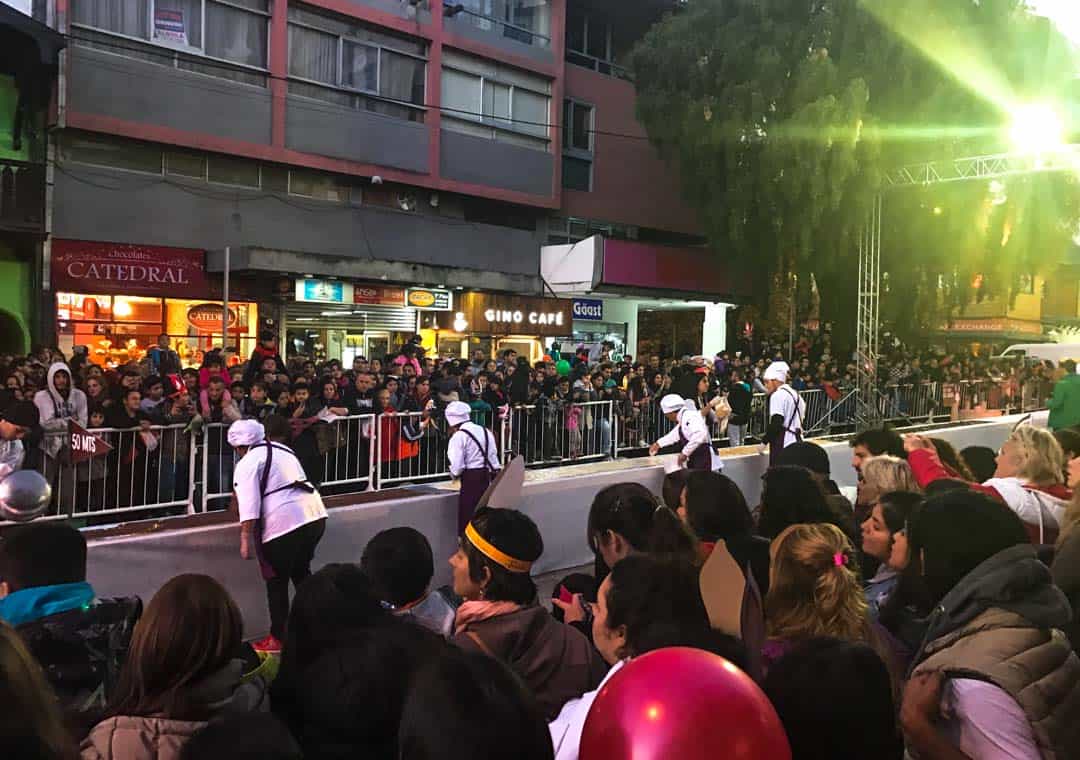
<point>589,309</point>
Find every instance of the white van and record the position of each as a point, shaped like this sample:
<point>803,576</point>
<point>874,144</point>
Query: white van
<point>1055,352</point>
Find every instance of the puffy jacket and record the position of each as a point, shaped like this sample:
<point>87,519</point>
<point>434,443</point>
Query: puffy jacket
<point>1065,403</point>
<point>1002,624</point>
<point>127,737</point>
<point>81,650</point>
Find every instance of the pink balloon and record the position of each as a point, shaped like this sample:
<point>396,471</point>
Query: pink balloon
<point>682,704</point>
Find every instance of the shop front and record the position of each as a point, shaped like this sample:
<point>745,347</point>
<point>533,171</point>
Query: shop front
<point>493,323</point>
<point>335,319</point>
<point>116,299</point>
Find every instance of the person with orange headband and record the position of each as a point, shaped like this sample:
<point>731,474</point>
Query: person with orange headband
<point>501,618</point>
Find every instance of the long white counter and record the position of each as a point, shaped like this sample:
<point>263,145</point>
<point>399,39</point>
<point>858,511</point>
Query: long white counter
<point>557,499</point>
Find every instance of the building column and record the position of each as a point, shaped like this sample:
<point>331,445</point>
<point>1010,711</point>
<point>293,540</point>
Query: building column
<point>714,330</point>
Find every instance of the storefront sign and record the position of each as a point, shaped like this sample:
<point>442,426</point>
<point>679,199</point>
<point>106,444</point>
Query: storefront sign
<point>137,270</point>
<point>510,315</point>
<point>429,299</point>
<point>991,326</point>
<point>378,295</point>
<point>207,317</point>
<point>324,291</point>
<point>84,444</point>
<point>589,309</point>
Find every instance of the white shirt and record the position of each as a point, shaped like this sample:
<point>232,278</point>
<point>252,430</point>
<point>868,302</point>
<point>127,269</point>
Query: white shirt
<point>281,511</point>
<point>566,729</point>
<point>693,429</point>
<point>790,406</point>
<point>464,454</point>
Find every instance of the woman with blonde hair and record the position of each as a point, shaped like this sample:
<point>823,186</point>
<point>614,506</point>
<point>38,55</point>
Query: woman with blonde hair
<point>1028,478</point>
<point>814,590</point>
<point>885,474</point>
<point>31,725</point>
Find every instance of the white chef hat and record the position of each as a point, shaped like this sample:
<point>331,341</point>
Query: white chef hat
<point>672,402</point>
<point>458,412</point>
<point>246,433</point>
<point>777,371</point>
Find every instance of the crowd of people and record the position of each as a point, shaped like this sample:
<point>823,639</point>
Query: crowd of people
<point>934,613</point>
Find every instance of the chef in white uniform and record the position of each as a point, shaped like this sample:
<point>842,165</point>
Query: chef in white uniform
<point>691,433</point>
<point>473,455</point>
<point>786,410</point>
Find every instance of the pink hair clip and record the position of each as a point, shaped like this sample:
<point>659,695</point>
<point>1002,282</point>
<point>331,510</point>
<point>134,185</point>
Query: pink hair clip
<point>839,559</point>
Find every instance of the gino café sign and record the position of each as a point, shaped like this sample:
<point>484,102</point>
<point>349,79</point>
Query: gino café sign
<point>142,270</point>
<point>490,314</point>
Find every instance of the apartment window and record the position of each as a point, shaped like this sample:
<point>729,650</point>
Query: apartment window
<point>590,42</point>
<point>231,30</point>
<point>351,65</point>
<point>112,153</point>
<point>321,187</point>
<point>527,21</point>
<point>578,132</point>
<point>183,164</point>
<point>226,170</point>
<point>493,101</point>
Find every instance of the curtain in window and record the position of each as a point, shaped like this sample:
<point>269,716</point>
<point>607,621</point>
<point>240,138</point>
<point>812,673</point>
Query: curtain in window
<point>497,103</point>
<point>128,17</point>
<point>313,55</point>
<point>236,35</point>
<point>178,22</point>
<point>531,112</point>
<point>360,66</point>
<point>460,94</point>
<point>402,78</point>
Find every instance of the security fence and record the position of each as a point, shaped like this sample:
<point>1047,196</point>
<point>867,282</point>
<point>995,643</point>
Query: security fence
<point>157,471</point>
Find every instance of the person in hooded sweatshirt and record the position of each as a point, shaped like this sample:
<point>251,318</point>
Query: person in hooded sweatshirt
<point>267,349</point>
<point>995,678</point>
<point>58,403</point>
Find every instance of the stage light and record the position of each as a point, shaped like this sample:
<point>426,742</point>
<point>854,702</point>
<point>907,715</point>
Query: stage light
<point>1036,128</point>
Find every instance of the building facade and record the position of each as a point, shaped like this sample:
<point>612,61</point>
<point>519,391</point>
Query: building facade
<point>329,155</point>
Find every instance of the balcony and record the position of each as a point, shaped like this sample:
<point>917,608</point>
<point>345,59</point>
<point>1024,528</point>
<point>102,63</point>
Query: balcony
<point>522,27</point>
<point>22,196</point>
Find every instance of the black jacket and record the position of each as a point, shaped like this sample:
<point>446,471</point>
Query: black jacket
<point>81,651</point>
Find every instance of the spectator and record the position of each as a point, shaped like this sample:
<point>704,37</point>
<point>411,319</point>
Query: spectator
<point>739,397</point>
<point>465,706</point>
<point>267,350</point>
<point>815,591</point>
<point>825,687</point>
<point>171,684</point>
<point>791,495</point>
<point>346,667</point>
<point>244,736</point>
<point>715,509</point>
<point>1065,403</point>
<point>79,640</point>
<point>874,443</point>
<point>163,360</point>
<point>1029,478</point>
<point>16,422</point>
<point>883,474</point>
<point>951,459</point>
<point>814,458</point>
<point>57,404</point>
<point>626,518</point>
<point>400,565</point>
<point>500,617</point>
<point>645,603</point>
<point>1066,565</point>
<point>997,607</point>
<point>31,725</point>
<point>980,461</point>
<point>884,538</point>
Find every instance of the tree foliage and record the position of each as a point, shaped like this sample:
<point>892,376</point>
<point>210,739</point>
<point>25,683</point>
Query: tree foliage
<point>782,116</point>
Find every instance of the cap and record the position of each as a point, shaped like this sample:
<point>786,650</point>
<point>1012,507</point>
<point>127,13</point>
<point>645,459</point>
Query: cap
<point>458,412</point>
<point>672,402</point>
<point>805,454</point>
<point>246,433</point>
<point>22,414</point>
<point>777,371</point>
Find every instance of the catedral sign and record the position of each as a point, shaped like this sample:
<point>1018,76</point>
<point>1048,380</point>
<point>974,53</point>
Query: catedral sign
<point>141,270</point>
<point>488,314</point>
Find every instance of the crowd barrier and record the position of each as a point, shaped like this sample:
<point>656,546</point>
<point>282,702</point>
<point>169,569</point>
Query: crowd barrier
<point>168,470</point>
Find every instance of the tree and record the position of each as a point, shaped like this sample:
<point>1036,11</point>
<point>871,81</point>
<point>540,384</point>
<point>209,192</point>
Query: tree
<point>782,115</point>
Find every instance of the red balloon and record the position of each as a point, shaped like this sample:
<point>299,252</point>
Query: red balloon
<point>682,704</point>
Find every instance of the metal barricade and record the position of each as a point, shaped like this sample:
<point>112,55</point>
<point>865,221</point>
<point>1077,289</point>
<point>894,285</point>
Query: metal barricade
<point>345,454</point>
<point>147,469</point>
<point>411,446</point>
<point>560,431</point>
<point>216,462</point>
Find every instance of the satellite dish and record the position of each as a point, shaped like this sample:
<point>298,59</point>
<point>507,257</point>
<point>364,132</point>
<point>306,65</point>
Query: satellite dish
<point>24,495</point>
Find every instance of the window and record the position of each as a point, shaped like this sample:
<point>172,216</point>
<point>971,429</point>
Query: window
<point>357,62</point>
<point>493,101</point>
<point>235,30</point>
<point>113,153</point>
<point>322,187</point>
<point>182,164</point>
<point>590,42</point>
<point>578,143</point>
<point>527,21</point>
<point>225,170</point>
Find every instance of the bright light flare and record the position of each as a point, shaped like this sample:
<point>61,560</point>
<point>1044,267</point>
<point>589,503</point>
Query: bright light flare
<point>1036,128</point>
